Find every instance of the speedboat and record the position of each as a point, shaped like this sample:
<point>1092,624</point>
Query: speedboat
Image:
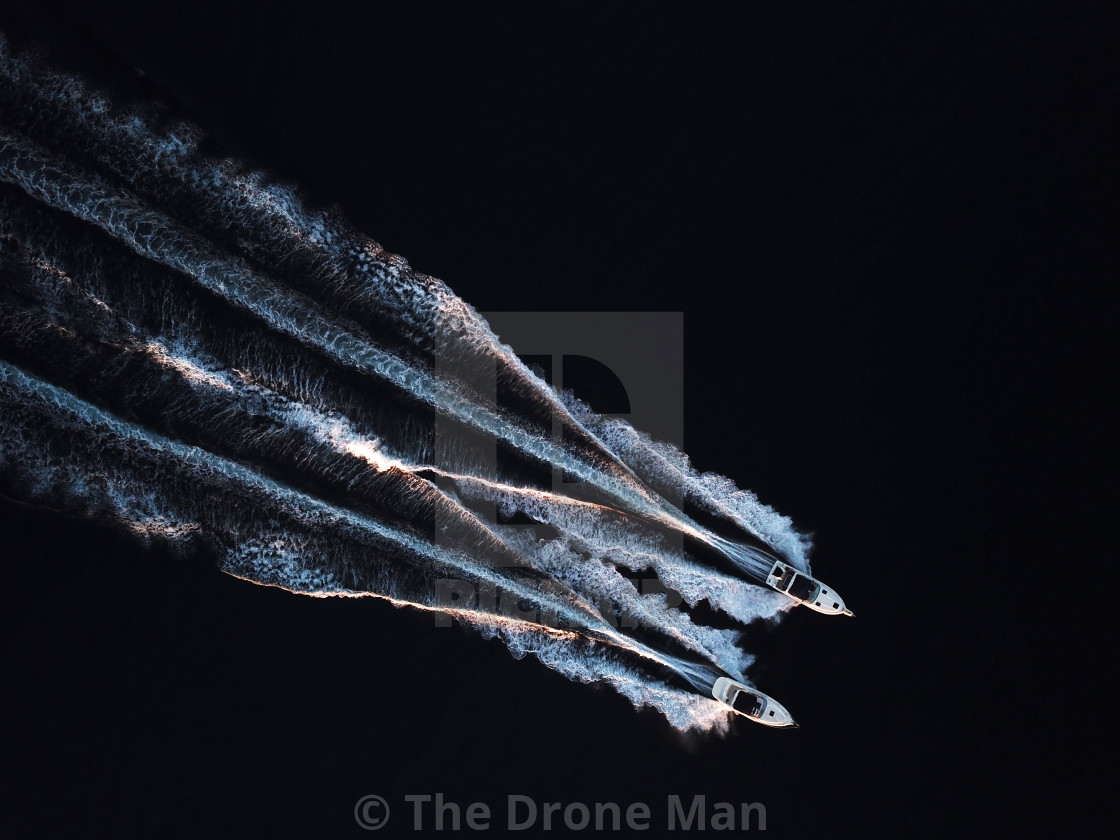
<point>806,590</point>
<point>752,703</point>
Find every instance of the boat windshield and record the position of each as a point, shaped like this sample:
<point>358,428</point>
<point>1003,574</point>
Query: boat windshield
<point>804,588</point>
<point>748,703</point>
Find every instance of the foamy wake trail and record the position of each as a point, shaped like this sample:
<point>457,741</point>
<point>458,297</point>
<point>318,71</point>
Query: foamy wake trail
<point>189,350</point>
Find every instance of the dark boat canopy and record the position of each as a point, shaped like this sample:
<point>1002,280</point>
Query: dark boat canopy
<point>804,588</point>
